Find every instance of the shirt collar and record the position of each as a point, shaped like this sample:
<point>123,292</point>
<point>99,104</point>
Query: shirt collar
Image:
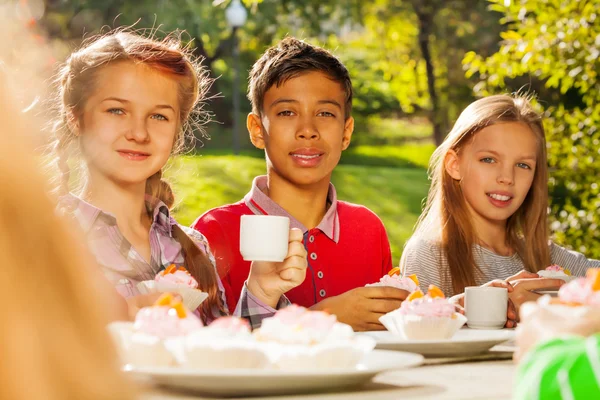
<point>260,203</point>
<point>87,214</point>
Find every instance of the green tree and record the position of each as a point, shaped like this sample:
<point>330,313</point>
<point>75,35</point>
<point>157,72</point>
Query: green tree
<point>557,43</point>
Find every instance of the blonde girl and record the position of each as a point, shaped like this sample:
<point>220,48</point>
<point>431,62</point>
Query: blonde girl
<point>486,212</point>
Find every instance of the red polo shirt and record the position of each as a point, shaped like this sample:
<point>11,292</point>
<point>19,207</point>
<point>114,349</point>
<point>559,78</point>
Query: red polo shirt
<point>348,249</point>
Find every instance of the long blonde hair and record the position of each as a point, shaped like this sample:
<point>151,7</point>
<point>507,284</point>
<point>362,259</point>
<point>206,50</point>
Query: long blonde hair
<point>75,84</point>
<point>53,341</point>
<point>445,219</point>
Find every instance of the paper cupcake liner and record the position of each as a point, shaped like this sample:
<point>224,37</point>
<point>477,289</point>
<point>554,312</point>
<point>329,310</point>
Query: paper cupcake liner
<point>192,298</point>
<point>345,354</point>
<point>139,349</point>
<point>414,327</point>
<point>230,356</point>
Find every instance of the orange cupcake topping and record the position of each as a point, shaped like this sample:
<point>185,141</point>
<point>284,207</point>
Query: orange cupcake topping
<point>394,271</point>
<point>171,269</point>
<point>414,278</point>
<point>415,295</point>
<point>593,276</point>
<point>167,300</point>
<point>434,291</point>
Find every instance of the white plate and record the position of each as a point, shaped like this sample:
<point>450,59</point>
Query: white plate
<point>465,342</point>
<point>253,382</point>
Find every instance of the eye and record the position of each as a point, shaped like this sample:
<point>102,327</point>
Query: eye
<point>285,113</point>
<point>488,160</point>
<point>524,166</point>
<point>116,111</point>
<point>159,117</point>
<point>325,114</point>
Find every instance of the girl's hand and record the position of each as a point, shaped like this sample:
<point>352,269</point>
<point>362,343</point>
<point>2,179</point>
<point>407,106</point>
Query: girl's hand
<point>269,280</point>
<point>539,323</point>
<point>511,312</point>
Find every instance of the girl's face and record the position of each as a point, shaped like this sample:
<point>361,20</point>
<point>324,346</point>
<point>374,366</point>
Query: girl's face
<point>495,169</point>
<point>129,123</point>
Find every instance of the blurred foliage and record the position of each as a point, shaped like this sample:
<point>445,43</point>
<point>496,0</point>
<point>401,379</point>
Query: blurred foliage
<point>377,40</point>
<point>557,43</point>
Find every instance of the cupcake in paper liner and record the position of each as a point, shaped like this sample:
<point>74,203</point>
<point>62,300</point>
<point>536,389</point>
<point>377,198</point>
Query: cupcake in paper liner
<point>176,280</point>
<point>424,317</point>
<point>154,339</point>
<point>296,338</point>
<point>577,296</point>
<point>556,272</point>
<point>409,283</point>
<point>226,343</point>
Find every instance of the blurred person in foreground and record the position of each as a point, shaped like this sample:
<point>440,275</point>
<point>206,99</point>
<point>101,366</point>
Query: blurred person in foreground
<point>53,340</point>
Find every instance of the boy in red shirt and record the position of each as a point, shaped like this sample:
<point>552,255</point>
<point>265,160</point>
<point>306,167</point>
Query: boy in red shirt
<point>301,99</point>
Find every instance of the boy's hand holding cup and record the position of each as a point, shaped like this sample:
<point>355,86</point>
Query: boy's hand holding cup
<point>277,253</point>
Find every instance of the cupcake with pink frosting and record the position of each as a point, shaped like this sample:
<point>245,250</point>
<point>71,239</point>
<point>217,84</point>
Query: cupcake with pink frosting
<point>176,279</point>
<point>153,339</point>
<point>581,291</point>
<point>424,317</point>
<point>225,343</point>
<point>556,272</point>
<point>393,278</point>
<point>297,338</point>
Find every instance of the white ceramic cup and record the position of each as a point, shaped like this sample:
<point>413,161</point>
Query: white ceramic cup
<point>486,307</point>
<point>264,237</point>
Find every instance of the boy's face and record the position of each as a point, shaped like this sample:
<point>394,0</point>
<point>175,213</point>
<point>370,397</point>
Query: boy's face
<point>303,128</point>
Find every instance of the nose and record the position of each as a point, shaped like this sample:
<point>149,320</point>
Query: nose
<point>307,129</point>
<point>506,175</point>
<point>138,131</point>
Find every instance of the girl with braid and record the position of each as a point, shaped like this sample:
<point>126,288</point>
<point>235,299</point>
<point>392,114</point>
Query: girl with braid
<point>125,104</point>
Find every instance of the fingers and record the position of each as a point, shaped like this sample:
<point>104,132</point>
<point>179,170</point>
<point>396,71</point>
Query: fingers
<point>296,275</point>
<point>500,284</point>
<point>523,275</point>
<point>296,249</point>
<point>383,306</point>
<point>511,312</point>
<point>539,283</point>
<point>296,235</point>
<point>293,268</point>
<point>384,292</point>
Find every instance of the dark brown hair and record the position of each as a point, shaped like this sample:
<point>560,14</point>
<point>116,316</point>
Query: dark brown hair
<point>288,59</point>
<point>76,82</point>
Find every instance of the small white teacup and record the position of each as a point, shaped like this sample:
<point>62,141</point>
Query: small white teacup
<point>486,307</point>
<point>264,237</point>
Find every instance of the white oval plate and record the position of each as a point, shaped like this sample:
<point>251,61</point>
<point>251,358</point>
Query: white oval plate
<point>253,382</point>
<point>465,342</point>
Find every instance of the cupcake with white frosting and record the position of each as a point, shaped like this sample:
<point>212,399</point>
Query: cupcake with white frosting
<point>226,343</point>
<point>424,317</point>
<point>393,278</point>
<point>154,338</point>
<point>297,338</point>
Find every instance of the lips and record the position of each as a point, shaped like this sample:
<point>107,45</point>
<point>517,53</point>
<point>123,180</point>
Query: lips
<point>307,157</point>
<point>133,155</point>
<point>500,199</point>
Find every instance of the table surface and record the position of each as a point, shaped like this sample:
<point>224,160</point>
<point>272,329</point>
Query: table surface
<point>490,380</point>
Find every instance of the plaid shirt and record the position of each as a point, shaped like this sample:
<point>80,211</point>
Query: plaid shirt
<point>124,267</point>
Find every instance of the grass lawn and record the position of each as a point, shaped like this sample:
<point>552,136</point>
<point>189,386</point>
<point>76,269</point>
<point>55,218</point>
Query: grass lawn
<point>202,182</point>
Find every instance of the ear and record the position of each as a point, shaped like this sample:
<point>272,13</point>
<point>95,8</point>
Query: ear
<point>348,130</point>
<point>452,165</point>
<point>73,123</point>
<point>255,130</point>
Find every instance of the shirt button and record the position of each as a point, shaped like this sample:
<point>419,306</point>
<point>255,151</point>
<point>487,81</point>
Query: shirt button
<point>311,239</point>
<point>320,274</point>
<point>313,256</point>
<point>322,293</point>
